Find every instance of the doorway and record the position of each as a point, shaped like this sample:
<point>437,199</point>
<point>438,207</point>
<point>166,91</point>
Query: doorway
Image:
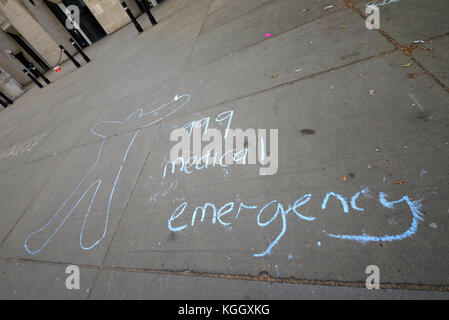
<point>88,23</point>
<point>25,46</point>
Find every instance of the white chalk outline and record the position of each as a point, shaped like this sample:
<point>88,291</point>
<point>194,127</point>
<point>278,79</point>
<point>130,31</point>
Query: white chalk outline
<point>99,181</point>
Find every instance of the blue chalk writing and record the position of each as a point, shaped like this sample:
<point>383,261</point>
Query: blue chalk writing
<point>178,211</point>
<point>274,210</point>
<point>355,197</point>
<point>414,206</point>
<point>337,196</point>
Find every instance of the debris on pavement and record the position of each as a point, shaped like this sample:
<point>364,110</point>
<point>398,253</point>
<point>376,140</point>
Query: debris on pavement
<point>372,92</point>
<point>307,131</point>
<point>274,75</point>
<point>399,182</point>
<point>407,65</point>
<point>328,7</point>
<point>412,75</point>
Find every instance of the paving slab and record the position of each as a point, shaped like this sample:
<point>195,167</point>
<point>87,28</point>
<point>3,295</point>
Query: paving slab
<point>133,285</point>
<point>65,136</point>
<point>14,155</point>
<point>218,4</point>
<point>244,31</point>
<point>228,12</point>
<point>434,56</point>
<point>19,187</point>
<point>409,20</point>
<point>133,111</point>
<point>362,170</point>
<point>75,215</point>
<point>310,49</point>
<point>31,281</point>
<point>20,142</point>
<point>402,155</point>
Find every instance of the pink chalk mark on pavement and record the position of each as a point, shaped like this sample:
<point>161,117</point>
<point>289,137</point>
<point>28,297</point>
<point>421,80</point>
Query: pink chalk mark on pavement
<point>267,35</point>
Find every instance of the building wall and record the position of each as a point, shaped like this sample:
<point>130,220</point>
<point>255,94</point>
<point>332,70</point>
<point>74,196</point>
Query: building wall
<point>110,13</point>
<point>9,86</point>
<point>44,32</point>
<point>50,24</point>
<point>132,5</point>
<point>12,66</point>
<point>31,30</point>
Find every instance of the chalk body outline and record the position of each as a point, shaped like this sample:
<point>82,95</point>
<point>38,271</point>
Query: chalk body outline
<point>140,113</point>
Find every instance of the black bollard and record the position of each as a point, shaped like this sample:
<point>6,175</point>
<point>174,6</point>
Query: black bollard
<point>140,5</point>
<point>148,12</point>
<point>35,71</point>
<point>8,101</point>
<point>80,51</point>
<point>70,56</point>
<point>3,103</point>
<point>28,65</point>
<point>32,78</point>
<point>131,16</point>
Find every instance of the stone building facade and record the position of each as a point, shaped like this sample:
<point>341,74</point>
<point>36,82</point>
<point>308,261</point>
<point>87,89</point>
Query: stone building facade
<point>32,30</point>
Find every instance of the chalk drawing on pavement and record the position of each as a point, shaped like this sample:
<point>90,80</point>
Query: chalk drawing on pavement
<point>96,184</point>
<point>26,146</point>
<point>282,212</point>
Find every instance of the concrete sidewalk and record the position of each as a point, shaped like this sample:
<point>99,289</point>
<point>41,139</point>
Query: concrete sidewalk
<point>362,114</point>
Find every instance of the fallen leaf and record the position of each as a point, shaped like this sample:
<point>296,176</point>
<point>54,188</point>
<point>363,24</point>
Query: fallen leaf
<point>400,182</point>
<point>345,179</point>
<point>407,65</point>
<point>274,75</point>
<point>297,70</point>
<point>412,75</point>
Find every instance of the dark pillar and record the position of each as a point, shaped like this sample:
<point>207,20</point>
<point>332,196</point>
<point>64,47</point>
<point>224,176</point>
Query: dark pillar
<point>4,97</point>
<point>80,51</point>
<point>70,56</point>
<point>32,78</point>
<point>3,103</point>
<point>146,6</point>
<point>131,16</point>
<point>40,74</point>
